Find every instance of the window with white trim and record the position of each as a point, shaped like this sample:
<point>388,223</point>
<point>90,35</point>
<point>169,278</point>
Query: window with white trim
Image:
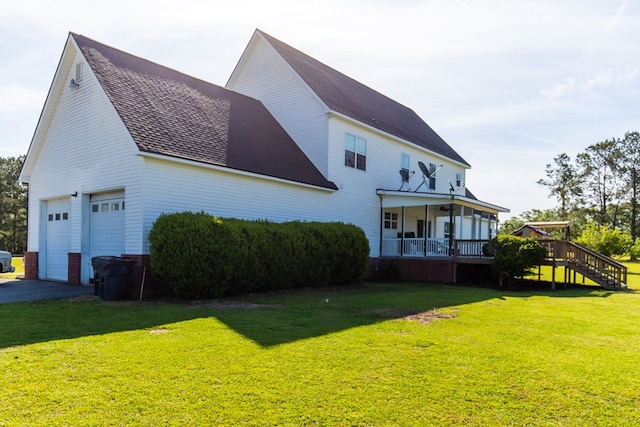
<point>391,220</point>
<point>458,179</point>
<point>405,162</point>
<point>449,228</point>
<point>432,178</point>
<point>355,152</point>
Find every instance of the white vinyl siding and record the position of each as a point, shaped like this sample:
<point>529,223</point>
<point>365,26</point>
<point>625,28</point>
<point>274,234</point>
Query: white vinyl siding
<point>86,150</point>
<point>175,187</point>
<point>264,75</point>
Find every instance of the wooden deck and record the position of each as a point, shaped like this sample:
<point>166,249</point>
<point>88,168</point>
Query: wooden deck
<point>575,258</point>
<point>419,254</point>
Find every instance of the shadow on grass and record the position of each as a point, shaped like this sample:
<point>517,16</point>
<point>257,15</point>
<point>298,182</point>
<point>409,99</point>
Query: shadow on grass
<point>268,320</point>
<point>23,323</point>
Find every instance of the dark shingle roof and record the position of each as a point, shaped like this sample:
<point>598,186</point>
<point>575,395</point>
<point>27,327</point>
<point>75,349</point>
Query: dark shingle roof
<point>353,99</point>
<point>172,114</point>
<point>469,195</point>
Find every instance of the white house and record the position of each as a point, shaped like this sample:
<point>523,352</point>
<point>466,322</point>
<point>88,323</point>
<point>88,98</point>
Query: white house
<point>121,140</point>
<point>373,148</point>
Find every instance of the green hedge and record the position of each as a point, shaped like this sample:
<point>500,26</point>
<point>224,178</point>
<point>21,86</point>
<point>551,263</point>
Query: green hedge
<point>197,255</point>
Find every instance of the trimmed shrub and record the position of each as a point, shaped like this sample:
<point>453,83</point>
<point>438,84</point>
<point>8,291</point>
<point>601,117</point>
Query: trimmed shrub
<point>514,256</point>
<point>192,253</point>
<point>199,256</point>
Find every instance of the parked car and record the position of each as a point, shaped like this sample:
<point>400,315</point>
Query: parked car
<point>5,262</point>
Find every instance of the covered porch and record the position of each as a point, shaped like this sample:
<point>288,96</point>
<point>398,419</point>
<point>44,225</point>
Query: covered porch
<point>432,225</point>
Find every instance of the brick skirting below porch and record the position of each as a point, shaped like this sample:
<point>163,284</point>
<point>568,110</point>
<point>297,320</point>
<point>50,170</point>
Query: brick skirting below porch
<point>411,269</point>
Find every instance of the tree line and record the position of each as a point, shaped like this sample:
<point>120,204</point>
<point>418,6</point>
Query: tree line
<point>598,192</point>
<point>13,206</point>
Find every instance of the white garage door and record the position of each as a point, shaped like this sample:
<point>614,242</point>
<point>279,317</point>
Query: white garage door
<point>58,240</point>
<point>106,225</point>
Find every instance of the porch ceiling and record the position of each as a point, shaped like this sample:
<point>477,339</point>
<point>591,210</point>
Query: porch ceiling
<point>394,199</point>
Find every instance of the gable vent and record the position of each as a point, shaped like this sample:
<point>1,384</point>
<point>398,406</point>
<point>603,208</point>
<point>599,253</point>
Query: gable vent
<point>78,77</point>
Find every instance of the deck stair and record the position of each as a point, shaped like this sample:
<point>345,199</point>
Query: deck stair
<point>577,258</point>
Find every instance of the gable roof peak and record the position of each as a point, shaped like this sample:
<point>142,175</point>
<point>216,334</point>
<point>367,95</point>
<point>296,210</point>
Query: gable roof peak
<point>353,99</point>
<point>172,114</point>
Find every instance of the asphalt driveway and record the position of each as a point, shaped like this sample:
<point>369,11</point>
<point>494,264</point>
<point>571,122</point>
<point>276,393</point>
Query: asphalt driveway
<point>12,290</point>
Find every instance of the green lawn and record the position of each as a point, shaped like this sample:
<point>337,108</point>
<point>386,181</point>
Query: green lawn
<point>348,357</point>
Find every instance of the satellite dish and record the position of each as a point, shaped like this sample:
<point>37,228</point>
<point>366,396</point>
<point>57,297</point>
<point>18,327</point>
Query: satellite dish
<point>424,170</point>
<point>405,175</point>
<point>453,189</point>
<point>426,174</point>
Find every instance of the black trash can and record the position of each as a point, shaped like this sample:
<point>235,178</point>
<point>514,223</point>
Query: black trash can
<point>110,277</point>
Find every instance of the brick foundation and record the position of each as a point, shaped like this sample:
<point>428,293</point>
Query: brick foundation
<point>139,272</point>
<point>73,269</point>
<point>30,261</point>
<point>411,269</point>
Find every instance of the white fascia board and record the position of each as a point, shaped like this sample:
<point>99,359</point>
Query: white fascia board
<point>48,109</point>
<point>390,198</point>
<point>387,135</point>
<point>232,171</point>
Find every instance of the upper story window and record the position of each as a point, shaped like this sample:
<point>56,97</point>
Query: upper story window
<point>432,178</point>
<point>405,162</point>
<point>355,152</point>
<point>458,179</point>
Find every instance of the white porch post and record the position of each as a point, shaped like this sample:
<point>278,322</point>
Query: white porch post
<point>402,231</point>
<point>459,235</point>
<point>381,226</point>
<point>425,230</point>
<point>473,223</point>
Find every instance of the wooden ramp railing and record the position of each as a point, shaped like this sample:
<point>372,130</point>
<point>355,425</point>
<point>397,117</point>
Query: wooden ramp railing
<point>603,270</point>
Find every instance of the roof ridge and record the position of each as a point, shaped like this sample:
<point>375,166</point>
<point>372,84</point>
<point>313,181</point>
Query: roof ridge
<point>360,102</point>
<point>271,38</point>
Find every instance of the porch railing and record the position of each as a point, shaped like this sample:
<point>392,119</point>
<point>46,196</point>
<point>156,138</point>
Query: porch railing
<point>415,247</point>
<point>432,247</point>
<point>469,248</point>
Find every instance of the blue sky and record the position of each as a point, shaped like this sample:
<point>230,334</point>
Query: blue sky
<point>509,84</point>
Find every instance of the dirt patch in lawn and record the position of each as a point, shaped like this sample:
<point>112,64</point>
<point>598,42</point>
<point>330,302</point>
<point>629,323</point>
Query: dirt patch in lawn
<point>415,316</point>
<point>429,316</point>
